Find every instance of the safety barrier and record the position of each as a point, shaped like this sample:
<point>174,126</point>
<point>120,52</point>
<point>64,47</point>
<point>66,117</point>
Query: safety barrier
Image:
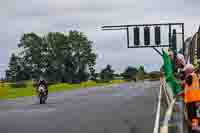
<point>170,112</point>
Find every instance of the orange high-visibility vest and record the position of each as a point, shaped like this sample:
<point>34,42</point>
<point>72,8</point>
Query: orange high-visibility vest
<point>192,92</point>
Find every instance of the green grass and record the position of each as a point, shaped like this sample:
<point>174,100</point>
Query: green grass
<point>8,92</point>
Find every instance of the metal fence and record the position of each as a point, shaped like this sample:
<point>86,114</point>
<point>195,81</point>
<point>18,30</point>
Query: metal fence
<point>170,112</point>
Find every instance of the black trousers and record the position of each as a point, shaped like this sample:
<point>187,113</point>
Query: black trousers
<point>191,110</point>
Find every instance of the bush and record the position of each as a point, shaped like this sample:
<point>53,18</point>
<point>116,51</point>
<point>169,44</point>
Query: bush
<point>18,85</point>
<point>130,73</point>
<point>107,74</point>
<point>154,75</point>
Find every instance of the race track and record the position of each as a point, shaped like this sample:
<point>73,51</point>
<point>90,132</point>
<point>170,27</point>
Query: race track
<point>124,108</point>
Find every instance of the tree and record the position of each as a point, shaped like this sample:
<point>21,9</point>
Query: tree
<point>12,72</point>
<point>154,75</point>
<point>18,69</point>
<point>24,71</point>
<point>130,73</point>
<point>70,56</point>
<point>56,56</point>
<point>32,46</point>
<point>107,73</point>
<point>141,73</point>
<point>82,55</point>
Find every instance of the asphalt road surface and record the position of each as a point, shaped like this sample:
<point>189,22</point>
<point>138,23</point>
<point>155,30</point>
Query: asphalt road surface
<point>124,108</point>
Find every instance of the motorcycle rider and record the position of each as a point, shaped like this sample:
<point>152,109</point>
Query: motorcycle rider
<point>42,82</point>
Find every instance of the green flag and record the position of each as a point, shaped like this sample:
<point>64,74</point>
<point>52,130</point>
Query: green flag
<point>169,75</point>
<point>167,66</point>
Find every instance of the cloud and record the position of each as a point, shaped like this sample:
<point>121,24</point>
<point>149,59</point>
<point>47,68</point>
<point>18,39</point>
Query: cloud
<point>2,65</point>
<point>42,16</point>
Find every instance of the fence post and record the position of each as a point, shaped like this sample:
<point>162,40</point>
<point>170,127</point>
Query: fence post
<point>181,115</point>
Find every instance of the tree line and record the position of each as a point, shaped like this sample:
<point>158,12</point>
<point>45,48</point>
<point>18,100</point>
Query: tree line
<point>56,56</point>
<point>60,57</point>
<point>130,74</point>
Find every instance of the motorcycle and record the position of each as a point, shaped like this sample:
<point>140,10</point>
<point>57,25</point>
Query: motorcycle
<point>42,94</point>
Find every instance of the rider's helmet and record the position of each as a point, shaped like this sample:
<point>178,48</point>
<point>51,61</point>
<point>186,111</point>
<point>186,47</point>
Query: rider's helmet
<point>42,81</point>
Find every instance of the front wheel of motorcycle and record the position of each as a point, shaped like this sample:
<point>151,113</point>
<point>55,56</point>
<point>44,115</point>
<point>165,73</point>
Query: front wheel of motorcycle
<point>44,101</point>
<point>41,101</point>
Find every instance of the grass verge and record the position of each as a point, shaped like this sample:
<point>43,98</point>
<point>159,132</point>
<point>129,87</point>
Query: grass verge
<point>9,92</point>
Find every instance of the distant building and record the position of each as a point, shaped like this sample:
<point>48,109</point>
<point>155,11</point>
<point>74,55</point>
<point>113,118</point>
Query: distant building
<point>192,50</point>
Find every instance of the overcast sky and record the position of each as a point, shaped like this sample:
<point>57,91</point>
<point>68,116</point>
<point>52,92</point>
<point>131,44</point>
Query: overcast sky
<point>42,16</point>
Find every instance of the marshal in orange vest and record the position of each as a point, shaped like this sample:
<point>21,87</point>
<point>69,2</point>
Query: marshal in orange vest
<point>192,91</point>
